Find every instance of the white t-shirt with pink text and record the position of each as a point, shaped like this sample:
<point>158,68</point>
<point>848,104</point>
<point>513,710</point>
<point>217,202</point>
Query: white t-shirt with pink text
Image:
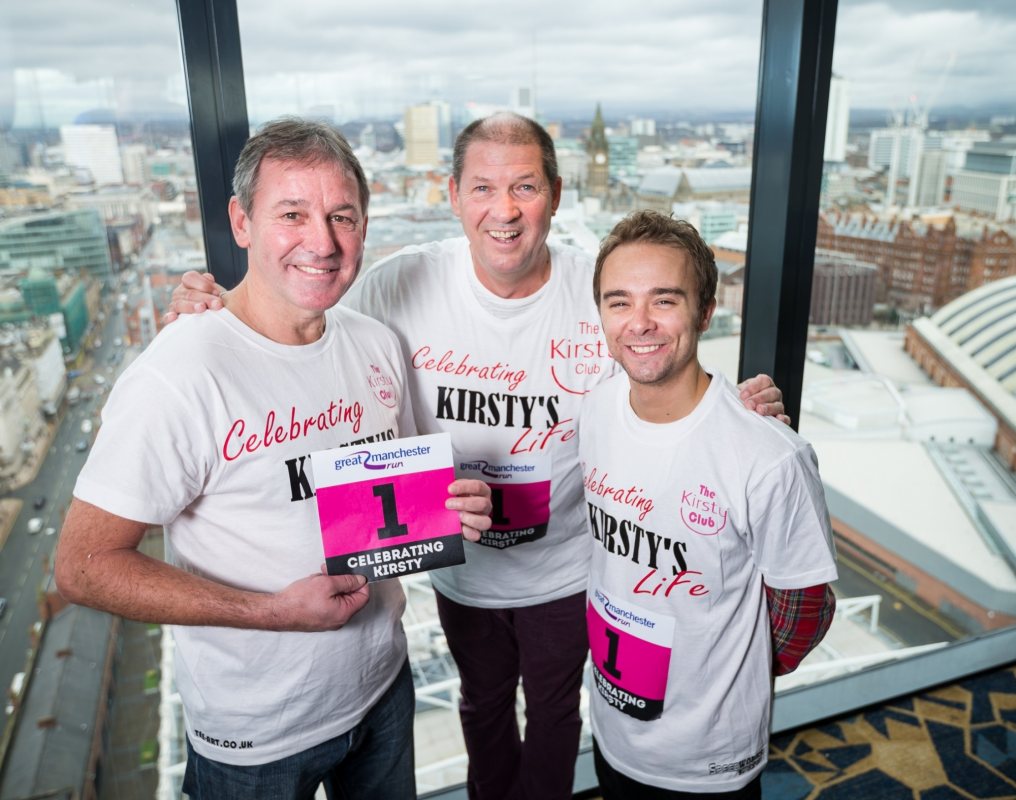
<point>505,378</point>
<point>209,433</point>
<point>688,519</point>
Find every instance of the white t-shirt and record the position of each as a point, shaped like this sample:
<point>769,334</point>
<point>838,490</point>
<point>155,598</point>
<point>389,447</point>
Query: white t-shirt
<point>688,519</point>
<point>209,433</point>
<point>505,378</point>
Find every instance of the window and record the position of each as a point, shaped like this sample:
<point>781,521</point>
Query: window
<point>407,78</point>
<point>98,215</point>
<point>916,469</point>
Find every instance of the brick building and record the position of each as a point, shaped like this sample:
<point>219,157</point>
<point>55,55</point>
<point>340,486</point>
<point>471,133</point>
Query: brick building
<point>921,265</point>
<point>842,290</point>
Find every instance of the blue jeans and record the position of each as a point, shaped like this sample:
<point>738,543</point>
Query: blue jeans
<point>373,760</point>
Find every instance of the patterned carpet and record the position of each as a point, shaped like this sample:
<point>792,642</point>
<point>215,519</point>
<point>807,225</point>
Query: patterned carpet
<point>958,741</point>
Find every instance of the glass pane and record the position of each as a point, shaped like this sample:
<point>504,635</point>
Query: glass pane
<point>909,391</point>
<point>97,209</point>
<point>649,105</point>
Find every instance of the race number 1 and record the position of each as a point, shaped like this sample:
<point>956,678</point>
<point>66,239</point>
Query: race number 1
<point>519,495</point>
<point>630,649</point>
<point>382,507</point>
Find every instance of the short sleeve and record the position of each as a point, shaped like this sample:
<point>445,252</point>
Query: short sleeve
<point>792,541</point>
<point>146,463</point>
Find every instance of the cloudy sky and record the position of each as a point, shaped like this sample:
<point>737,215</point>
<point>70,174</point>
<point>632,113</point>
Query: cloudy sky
<point>59,58</point>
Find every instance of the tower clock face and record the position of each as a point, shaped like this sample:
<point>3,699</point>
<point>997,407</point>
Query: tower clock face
<point>600,158</point>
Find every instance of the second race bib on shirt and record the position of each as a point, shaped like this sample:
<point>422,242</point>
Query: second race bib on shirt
<point>382,507</point>
<point>519,494</point>
<point>630,649</point>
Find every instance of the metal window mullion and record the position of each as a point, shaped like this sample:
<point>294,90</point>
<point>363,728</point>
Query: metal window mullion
<point>213,67</point>
<point>793,97</point>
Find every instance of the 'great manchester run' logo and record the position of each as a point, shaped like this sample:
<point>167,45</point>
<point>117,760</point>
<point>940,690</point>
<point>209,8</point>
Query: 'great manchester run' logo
<point>386,459</point>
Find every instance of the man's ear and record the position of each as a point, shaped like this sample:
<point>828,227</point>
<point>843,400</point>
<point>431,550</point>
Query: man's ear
<point>707,316</point>
<point>453,196</point>
<point>555,195</point>
<point>239,223</point>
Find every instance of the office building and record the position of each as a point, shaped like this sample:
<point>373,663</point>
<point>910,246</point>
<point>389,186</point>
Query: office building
<point>842,290</point>
<point>927,187</point>
<point>838,120</point>
<point>422,135</point>
<point>55,241</point>
<point>94,148</point>
<point>987,183</point>
<point>896,149</point>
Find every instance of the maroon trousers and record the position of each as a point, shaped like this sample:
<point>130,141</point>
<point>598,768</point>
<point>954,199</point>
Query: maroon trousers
<point>545,645</point>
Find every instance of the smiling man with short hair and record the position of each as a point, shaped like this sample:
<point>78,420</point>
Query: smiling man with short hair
<point>502,343</point>
<point>710,565</point>
<point>289,677</point>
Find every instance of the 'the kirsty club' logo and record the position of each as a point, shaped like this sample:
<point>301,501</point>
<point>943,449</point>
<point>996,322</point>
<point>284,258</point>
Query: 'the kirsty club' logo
<point>574,360</point>
<point>382,386</point>
<point>700,511</point>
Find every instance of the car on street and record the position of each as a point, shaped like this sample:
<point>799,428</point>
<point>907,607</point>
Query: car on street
<point>81,446</point>
<point>3,605</point>
<point>35,525</point>
<point>39,502</point>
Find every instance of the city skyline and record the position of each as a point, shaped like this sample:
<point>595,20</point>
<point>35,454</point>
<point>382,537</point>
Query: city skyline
<point>701,62</point>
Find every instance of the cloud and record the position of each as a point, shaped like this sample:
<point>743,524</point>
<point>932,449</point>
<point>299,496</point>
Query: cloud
<point>927,53</point>
<point>372,59</point>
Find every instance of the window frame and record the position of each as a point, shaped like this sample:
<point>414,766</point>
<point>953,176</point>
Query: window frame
<point>797,43</point>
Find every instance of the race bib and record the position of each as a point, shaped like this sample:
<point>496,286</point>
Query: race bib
<point>630,649</point>
<point>382,507</point>
<point>519,495</point>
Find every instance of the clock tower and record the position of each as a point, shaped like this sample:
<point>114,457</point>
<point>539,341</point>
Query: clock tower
<point>599,158</point>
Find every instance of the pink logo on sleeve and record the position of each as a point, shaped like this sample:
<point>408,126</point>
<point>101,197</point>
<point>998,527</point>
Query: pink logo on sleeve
<point>700,511</point>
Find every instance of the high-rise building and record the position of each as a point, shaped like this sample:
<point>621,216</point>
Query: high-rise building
<point>987,182</point>
<point>842,290</point>
<point>95,148</point>
<point>523,101</point>
<point>958,143</point>
<point>134,158</point>
<point>927,187</point>
<point>422,135</point>
<point>897,147</point>
<point>622,156</point>
<point>838,120</point>
<point>643,127</point>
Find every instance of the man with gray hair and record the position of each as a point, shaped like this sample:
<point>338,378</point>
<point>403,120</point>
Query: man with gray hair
<point>502,342</point>
<point>289,677</point>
